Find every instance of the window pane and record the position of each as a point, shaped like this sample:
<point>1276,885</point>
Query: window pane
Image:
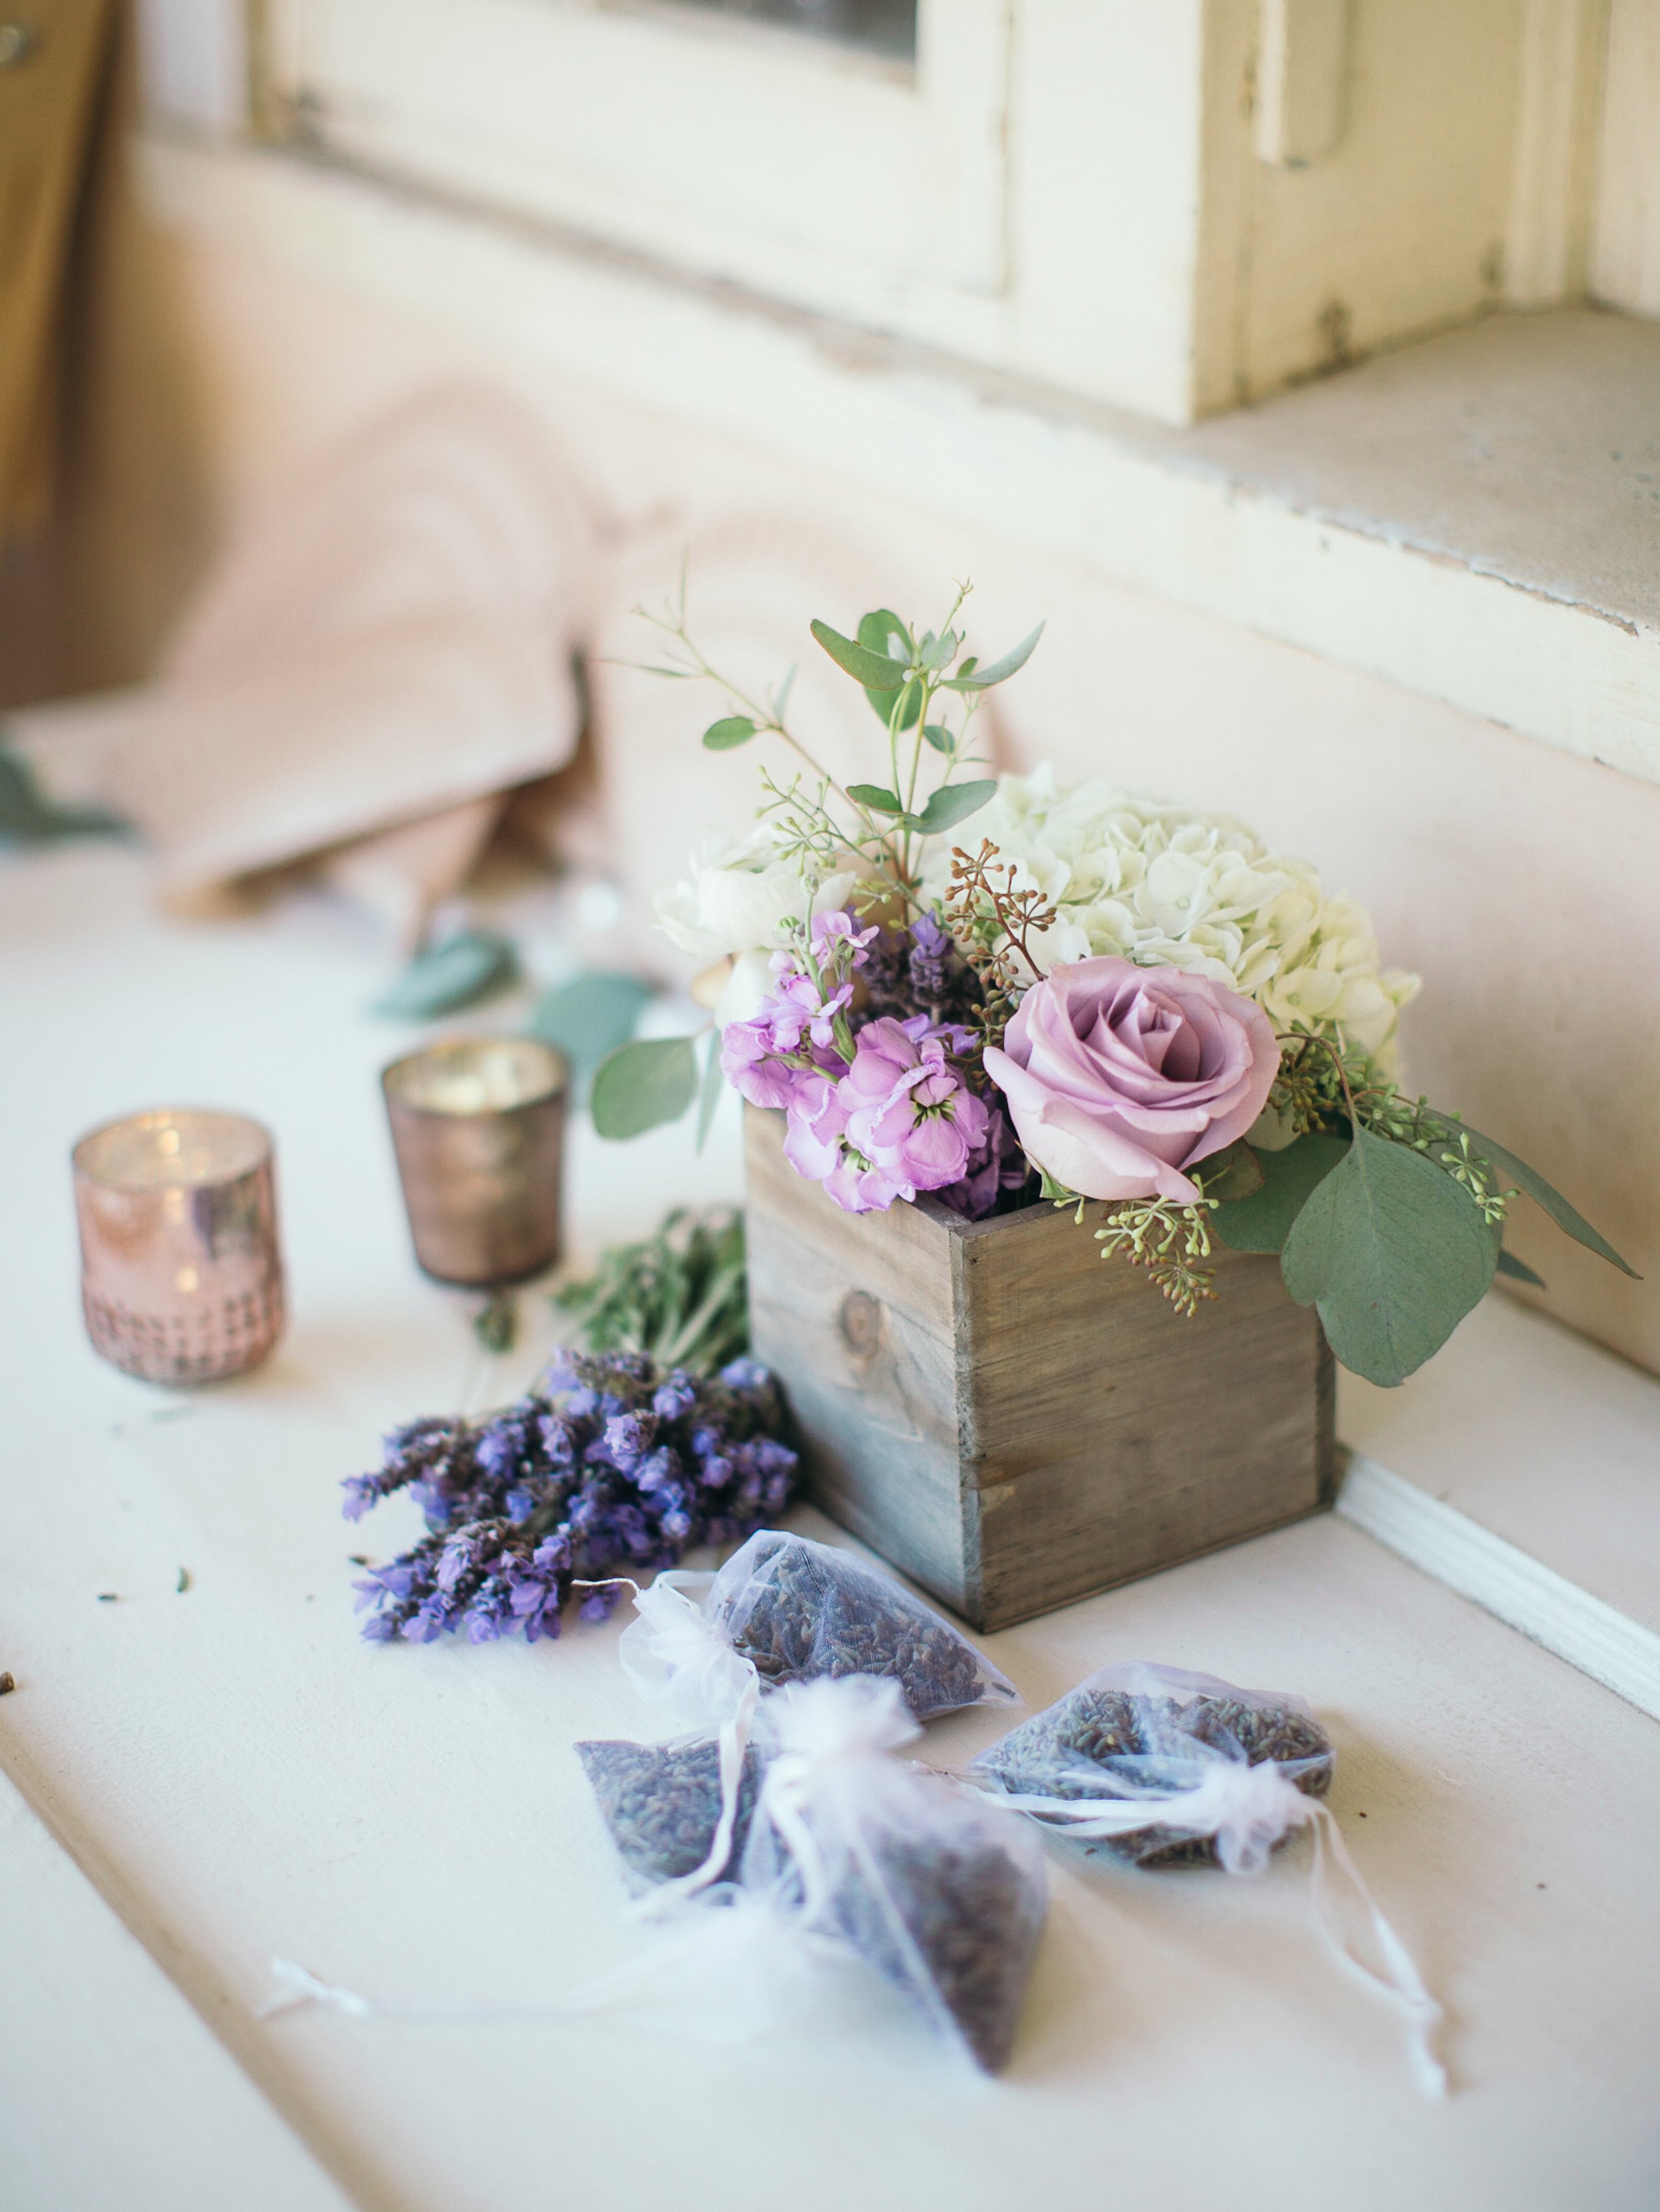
<point>882,27</point>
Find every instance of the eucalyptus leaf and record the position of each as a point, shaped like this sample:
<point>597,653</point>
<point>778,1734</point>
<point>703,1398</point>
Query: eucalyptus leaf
<point>1565,1217</point>
<point>940,738</point>
<point>981,679</point>
<point>873,669</point>
<point>589,1017</point>
<point>27,817</point>
<point>952,803</point>
<point>732,730</point>
<point>1231,1174</point>
<point>879,633</point>
<point>459,972</point>
<point>877,797</point>
<point>713,1082</point>
<point>1519,1270</point>
<point>1392,1253</point>
<point>641,1086</point>
<point>1262,1221</point>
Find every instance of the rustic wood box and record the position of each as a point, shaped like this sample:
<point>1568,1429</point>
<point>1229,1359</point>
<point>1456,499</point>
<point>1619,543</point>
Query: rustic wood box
<point>1013,1421</point>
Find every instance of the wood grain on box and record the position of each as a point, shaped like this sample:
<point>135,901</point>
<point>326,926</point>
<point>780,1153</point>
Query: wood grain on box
<point>1012,1421</point>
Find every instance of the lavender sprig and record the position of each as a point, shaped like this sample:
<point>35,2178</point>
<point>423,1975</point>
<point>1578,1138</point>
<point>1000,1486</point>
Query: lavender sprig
<point>612,1466</point>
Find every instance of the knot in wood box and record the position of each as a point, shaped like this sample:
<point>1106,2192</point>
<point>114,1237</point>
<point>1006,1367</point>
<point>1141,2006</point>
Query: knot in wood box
<point>1011,1420</point>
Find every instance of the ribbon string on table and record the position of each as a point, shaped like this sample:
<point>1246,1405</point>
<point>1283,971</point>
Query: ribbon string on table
<point>1248,1809</point>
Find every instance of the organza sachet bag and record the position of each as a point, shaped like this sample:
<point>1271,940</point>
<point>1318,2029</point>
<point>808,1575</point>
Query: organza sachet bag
<point>943,1894</point>
<point>797,1610</point>
<point>782,1610</point>
<point>1166,1768</point>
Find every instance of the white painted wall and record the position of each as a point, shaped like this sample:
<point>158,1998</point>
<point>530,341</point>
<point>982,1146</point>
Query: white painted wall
<point>1626,241</point>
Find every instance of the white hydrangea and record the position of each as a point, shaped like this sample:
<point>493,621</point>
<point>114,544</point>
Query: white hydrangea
<point>1166,886</point>
<point>736,904</point>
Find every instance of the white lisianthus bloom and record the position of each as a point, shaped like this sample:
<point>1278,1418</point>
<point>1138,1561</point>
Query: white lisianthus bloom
<point>1167,887</point>
<point>737,904</point>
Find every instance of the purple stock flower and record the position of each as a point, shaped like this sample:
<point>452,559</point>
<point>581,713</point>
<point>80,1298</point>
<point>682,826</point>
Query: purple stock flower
<point>800,1031</point>
<point>909,1112</point>
<point>901,1120</point>
<point>836,937</point>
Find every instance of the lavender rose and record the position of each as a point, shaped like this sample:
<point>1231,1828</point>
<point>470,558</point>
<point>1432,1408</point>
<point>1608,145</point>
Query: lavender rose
<point>1118,1078</point>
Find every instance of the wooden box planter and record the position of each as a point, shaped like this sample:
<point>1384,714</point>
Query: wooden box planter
<point>1013,1421</point>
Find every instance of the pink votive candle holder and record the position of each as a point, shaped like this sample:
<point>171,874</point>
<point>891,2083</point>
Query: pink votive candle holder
<point>181,1275</point>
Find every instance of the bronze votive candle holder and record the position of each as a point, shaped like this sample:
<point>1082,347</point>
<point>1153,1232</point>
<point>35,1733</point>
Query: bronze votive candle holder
<point>181,1274</point>
<point>478,1126</point>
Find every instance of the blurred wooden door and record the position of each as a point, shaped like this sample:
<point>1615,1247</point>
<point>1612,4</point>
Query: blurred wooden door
<point>53,55</point>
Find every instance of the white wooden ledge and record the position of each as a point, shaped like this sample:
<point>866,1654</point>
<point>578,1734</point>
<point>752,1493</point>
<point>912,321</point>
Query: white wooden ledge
<point>240,1776</point>
<point>1497,552</point>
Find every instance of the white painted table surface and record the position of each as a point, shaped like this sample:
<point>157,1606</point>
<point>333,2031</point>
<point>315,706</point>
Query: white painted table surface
<point>239,1777</point>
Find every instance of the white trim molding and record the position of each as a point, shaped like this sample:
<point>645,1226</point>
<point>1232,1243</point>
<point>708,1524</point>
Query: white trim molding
<point>1539,1603</point>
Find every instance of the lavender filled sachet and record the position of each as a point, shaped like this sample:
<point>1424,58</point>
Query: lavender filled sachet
<point>797,1610</point>
<point>1132,1732</point>
<point>941,1894</point>
<point>1165,1768</point>
<point>662,1803</point>
<point>783,1610</point>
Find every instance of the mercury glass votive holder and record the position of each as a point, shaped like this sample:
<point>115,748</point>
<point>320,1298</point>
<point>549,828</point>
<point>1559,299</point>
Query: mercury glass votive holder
<point>478,1126</point>
<point>181,1273</point>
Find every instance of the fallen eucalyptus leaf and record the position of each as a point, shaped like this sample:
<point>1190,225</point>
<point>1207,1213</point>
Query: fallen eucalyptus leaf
<point>446,977</point>
<point>27,817</point>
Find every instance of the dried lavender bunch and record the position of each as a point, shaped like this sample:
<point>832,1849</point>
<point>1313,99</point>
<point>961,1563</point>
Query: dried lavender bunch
<point>612,1466</point>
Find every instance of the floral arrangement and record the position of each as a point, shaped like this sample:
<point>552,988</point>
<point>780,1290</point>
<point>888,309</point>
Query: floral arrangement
<point>1128,1008</point>
<point>613,1466</point>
